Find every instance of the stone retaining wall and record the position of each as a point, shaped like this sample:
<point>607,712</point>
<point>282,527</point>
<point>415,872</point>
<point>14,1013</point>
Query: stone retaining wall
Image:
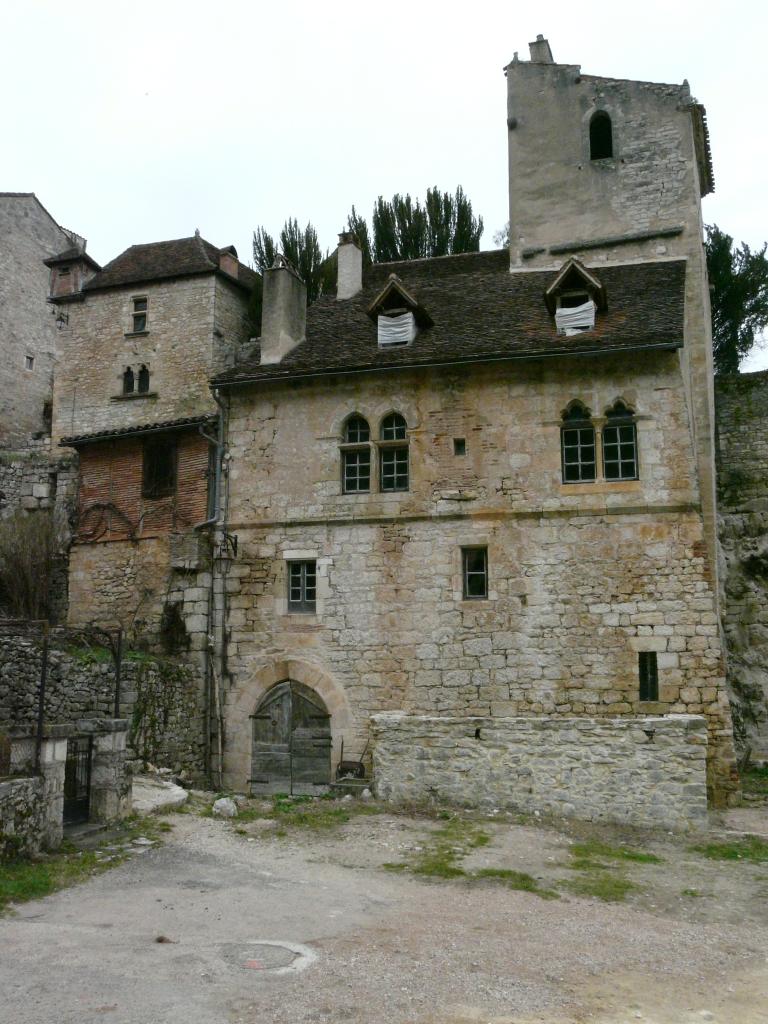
<point>22,817</point>
<point>648,772</point>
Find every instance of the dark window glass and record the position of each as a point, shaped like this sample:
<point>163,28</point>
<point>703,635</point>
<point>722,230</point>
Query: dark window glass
<point>302,586</point>
<point>143,380</point>
<point>459,446</point>
<point>357,471</point>
<point>357,430</point>
<point>394,469</point>
<point>600,136</point>
<point>620,445</point>
<point>577,441</point>
<point>649,675</point>
<point>474,563</point>
<point>393,427</point>
<point>139,315</point>
<point>128,381</point>
<point>159,477</point>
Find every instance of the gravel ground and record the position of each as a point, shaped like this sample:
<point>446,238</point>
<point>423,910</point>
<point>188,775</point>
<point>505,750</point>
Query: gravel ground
<point>390,947</point>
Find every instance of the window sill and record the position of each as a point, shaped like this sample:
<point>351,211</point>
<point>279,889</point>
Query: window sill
<point>135,334</point>
<point>602,487</point>
<point>133,396</point>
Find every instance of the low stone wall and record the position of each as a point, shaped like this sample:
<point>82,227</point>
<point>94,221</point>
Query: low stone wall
<point>162,700</point>
<point>22,817</point>
<point>648,772</point>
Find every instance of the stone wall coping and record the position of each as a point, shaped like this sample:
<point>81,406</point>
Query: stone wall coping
<point>690,722</point>
<point>100,726</point>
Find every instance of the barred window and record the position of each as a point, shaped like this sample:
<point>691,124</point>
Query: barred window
<point>577,440</point>
<point>393,457</point>
<point>474,568</point>
<point>356,462</point>
<point>620,444</point>
<point>302,586</point>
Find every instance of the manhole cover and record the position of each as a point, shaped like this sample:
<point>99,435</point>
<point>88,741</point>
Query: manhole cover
<point>264,955</point>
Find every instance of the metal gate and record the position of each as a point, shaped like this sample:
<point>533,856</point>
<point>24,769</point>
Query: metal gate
<point>291,742</point>
<point>77,780</point>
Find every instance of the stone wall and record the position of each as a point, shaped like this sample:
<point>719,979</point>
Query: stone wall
<point>742,420</point>
<point>581,578</point>
<point>32,804</point>
<point>649,772</point>
<point>163,701</point>
<point>22,817</point>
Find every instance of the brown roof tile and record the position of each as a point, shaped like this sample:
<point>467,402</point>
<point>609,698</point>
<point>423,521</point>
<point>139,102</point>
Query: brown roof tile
<point>481,312</point>
<point>159,261</point>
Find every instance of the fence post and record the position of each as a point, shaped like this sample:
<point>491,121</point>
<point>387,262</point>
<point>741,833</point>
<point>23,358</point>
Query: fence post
<point>41,697</point>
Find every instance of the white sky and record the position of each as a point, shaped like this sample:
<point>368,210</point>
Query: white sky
<point>135,122</point>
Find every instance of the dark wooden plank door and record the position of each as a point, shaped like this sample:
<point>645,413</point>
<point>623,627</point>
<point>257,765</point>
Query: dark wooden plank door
<point>291,742</point>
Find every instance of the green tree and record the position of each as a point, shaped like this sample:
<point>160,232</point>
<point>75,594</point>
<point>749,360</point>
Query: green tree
<point>738,281</point>
<point>300,247</point>
<point>404,229</point>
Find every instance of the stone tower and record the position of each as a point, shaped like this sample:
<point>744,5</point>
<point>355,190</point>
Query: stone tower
<point>612,172</point>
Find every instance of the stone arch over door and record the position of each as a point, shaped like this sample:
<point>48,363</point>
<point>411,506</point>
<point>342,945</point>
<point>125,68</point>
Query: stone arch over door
<point>244,698</point>
<point>291,742</point>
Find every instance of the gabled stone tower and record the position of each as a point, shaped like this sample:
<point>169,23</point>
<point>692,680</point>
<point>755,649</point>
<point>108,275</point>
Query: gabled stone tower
<point>613,171</point>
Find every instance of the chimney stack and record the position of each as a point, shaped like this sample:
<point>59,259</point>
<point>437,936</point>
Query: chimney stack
<point>540,51</point>
<point>228,260</point>
<point>349,280</point>
<point>284,311</point>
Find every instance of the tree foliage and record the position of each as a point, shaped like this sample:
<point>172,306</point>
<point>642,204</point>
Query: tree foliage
<point>404,229</point>
<point>300,247</point>
<point>738,280</point>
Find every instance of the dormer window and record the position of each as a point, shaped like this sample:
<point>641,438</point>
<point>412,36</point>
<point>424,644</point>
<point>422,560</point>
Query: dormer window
<point>398,314</point>
<point>574,298</point>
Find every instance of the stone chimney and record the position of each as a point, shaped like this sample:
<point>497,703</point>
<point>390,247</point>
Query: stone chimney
<point>228,260</point>
<point>283,312</point>
<point>349,255</point>
<point>540,51</point>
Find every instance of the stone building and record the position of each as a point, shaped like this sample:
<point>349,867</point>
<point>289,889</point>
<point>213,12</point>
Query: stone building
<point>29,331</point>
<point>132,399</point>
<point>476,492</point>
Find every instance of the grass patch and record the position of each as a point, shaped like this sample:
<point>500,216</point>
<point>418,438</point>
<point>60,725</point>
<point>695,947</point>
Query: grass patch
<point>590,852</point>
<point>602,885</point>
<point>306,812</point>
<point>750,849</point>
<point>516,880</point>
<point>693,894</point>
<point>22,880</point>
<point>754,782</point>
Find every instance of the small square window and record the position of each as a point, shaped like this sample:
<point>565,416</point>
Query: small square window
<point>302,586</point>
<point>649,675</point>
<point>139,316</point>
<point>474,566</point>
<point>159,470</point>
<point>459,446</point>
<point>29,362</point>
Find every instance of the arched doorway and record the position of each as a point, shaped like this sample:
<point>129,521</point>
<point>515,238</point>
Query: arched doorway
<point>291,741</point>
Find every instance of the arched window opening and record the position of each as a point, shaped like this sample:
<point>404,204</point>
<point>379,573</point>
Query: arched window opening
<point>143,380</point>
<point>600,136</point>
<point>128,381</point>
<point>356,456</point>
<point>393,459</point>
<point>577,444</point>
<point>620,444</point>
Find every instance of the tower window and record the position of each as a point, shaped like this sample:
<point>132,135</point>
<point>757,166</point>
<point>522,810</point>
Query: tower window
<point>600,136</point>
<point>128,381</point>
<point>139,316</point>
<point>143,380</point>
<point>474,568</point>
<point>29,362</point>
<point>649,675</point>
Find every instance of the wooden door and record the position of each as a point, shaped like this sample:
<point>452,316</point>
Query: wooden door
<point>291,742</point>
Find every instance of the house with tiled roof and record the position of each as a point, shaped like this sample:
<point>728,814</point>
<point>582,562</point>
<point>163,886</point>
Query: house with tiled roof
<point>472,495</point>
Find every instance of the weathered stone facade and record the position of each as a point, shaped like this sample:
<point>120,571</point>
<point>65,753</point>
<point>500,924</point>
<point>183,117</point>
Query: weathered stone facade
<point>32,804</point>
<point>29,334</point>
<point>642,771</point>
<point>742,425</point>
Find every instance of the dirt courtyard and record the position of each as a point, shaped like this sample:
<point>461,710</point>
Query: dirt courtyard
<point>403,919</point>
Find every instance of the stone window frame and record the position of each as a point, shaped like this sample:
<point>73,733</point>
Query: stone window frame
<point>606,162</point>
<point>467,573</point>
<point>301,582</point>
<point>619,417</point>
<point>391,450</point>
<point>139,315</point>
<point>353,449</point>
<point>136,378</point>
<point>281,582</point>
<point>576,428</point>
<point>648,677</point>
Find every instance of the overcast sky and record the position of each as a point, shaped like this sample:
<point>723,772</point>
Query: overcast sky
<point>135,122</point>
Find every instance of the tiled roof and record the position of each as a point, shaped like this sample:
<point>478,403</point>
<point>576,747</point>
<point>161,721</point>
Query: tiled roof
<point>73,253</point>
<point>144,428</point>
<point>159,261</point>
<point>481,312</point>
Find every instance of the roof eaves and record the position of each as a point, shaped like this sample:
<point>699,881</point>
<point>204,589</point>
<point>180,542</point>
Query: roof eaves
<point>145,428</point>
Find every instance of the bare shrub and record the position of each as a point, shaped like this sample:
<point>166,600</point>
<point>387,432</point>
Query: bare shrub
<point>27,557</point>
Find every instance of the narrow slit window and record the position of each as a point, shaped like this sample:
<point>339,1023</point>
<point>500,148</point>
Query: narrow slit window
<point>128,381</point>
<point>600,136</point>
<point>302,586</point>
<point>577,442</point>
<point>29,362</point>
<point>474,567</point>
<point>143,380</point>
<point>649,675</point>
